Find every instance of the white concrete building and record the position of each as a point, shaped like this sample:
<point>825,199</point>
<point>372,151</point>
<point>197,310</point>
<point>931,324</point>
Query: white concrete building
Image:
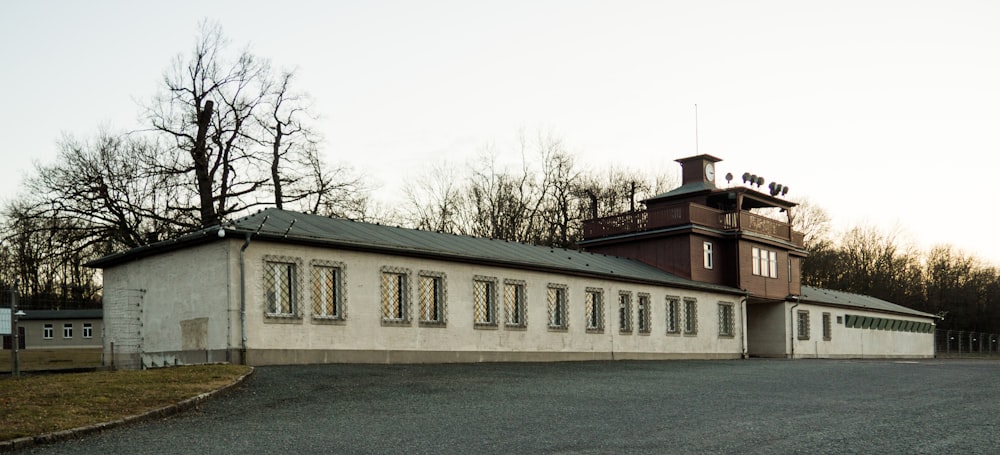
<point>282,287</point>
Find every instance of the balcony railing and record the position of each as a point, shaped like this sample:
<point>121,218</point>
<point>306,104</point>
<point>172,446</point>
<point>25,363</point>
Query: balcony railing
<point>688,213</point>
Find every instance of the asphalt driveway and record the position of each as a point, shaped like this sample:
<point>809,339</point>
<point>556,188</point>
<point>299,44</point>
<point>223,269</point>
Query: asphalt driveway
<point>750,406</point>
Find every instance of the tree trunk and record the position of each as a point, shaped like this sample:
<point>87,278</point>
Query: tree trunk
<point>199,154</point>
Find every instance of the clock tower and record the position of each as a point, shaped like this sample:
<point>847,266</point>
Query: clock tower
<point>698,169</point>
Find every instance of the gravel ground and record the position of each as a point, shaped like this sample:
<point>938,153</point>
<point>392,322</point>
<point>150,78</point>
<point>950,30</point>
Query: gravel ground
<point>749,406</point>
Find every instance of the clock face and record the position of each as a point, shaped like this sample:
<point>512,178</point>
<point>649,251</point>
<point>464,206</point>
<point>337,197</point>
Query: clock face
<point>710,171</point>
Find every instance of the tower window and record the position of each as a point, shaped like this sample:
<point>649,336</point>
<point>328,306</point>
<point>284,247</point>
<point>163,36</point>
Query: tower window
<point>709,257</point>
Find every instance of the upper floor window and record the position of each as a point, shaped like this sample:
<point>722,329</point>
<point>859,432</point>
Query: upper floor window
<point>764,262</point>
<point>709,257</point>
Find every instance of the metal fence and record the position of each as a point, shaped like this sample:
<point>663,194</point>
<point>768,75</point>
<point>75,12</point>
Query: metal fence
<point>966,343</point>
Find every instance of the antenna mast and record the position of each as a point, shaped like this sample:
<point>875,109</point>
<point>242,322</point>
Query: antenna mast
<point>696,151</point>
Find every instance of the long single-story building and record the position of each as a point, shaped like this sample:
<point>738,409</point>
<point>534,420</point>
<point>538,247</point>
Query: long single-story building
<point>696,275</point>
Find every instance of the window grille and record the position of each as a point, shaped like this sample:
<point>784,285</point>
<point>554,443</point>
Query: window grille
<point>394,296</point>
<point>514,302</point>
<point>673,315</point>
<point>279,288</point>
<point>625,312</point>
<point>727,324</point>
<point>326,292</point>
<point>594,309</point>
<point>557,306</point>
<point>690,316</point>
<point>643,316</point>
<point>431,292</point>
<point>803,324</point>
<point>484,300</point>
<point>827,327</point>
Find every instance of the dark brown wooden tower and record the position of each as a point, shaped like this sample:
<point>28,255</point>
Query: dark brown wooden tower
<point>737,236</point>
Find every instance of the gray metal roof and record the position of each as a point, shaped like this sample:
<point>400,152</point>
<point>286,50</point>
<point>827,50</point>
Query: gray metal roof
<point>293,227</point>
<point>847,299</point>
<point>35,315</point>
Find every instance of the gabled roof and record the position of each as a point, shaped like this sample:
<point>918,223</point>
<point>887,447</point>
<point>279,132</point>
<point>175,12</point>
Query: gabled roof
<point>847,299</point>
<point>293,227</point>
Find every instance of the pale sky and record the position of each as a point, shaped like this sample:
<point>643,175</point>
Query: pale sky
<point>884,113</point>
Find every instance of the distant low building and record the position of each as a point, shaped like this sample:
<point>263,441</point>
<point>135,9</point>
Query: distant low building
<point>698,274</point>
<point>61,329</point>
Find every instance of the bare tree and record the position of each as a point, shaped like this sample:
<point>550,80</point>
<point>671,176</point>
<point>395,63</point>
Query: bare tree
<point>434,200</point>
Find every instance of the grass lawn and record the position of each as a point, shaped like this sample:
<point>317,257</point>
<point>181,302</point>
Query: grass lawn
<point>34,405</point>
<point>51,359</point>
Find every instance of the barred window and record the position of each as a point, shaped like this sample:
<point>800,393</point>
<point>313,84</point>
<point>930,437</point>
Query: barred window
<point>279,288</point>
<point>514,298</point>
<point>557,306</point>
<point>803,324</point>
<point>643,316</point>
<point>484,300</point>
<point>431,292</point>
<point>827,327</point>
<point>673,315</point>
<point>726,320</point>
<point>690,316</point>
<point>327,290</point>
<point>395,296</point>
<point>625,312</point>
<point>593,303</point>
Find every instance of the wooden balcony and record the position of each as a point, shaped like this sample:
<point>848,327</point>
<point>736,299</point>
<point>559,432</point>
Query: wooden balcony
<point>688,213</point>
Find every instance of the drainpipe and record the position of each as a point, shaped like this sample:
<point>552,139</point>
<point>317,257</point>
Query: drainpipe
<point>743,324</point>
<point>243,302</point>
<point>791,322</point>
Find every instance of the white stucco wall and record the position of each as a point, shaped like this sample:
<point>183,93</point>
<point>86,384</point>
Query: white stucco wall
<point>849,342</point>
<point>363,336</point>
<point>183,297</point>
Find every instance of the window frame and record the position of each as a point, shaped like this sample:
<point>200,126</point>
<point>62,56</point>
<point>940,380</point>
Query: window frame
<point>484,295</point>
<point>643,310</point>
<point>625,312</point>
<point>439,295</point>
<point>690,318</point>
<point>338,305</point>
<point>87,331</point>
<point>827,326</point>
<point>708,255</point>
<point>727,320</point>
<point>593,303</point>
<point>673,315</point>
<point>557,296</point>
<point>294,278</point>
<point>48,331</point>
<point>802,324</point>
<point>515,304</point>
<point>764,262</point>
<point>67,330</point>
<point>401,282</point>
